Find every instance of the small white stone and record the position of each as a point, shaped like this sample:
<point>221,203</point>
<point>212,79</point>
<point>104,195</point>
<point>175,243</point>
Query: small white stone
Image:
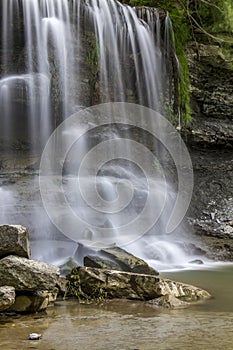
<point>34,336</point>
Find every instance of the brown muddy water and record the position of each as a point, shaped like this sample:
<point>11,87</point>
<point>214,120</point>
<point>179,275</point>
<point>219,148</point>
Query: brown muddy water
<point>130,325</point>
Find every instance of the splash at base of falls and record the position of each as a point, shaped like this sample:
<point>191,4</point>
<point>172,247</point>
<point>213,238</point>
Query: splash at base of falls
<point>20,203</point>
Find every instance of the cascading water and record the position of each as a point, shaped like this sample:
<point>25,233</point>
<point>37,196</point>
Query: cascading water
<point>42,53</point>
<point>37,57</point>
<point>59,56</point>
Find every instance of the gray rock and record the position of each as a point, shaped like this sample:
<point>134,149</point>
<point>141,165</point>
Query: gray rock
<point>14,239</point>
<point>34,302</point>
<point>7,297</point>
<point>196,261</point>
<point>67,266</point>
<point>127,261</point>
<point>27,275</point>
<point>101,263</point>
<point>118,284</point>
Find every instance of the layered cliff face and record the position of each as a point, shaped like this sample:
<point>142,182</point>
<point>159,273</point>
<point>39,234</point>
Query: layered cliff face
<point>211,75</point>
<point>209,136</point>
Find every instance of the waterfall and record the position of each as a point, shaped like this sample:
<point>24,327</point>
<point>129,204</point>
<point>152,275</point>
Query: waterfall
<point>36,68</point>
<point>131,62</point>
<point>43,54</point>
<point>59,56</point>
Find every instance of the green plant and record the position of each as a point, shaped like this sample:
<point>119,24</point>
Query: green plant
<point>74,289</point>
<point>93,56</point>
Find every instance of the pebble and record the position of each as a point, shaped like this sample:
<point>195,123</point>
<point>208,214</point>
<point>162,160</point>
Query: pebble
<point>34,336</point>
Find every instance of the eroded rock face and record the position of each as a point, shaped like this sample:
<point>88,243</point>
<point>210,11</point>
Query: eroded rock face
<point>7,297</point>
<point>27,275</point>
<point>118,284</point>
<point>14,239</point>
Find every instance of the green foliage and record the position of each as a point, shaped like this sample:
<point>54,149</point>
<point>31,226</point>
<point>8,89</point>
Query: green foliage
<point>74,289</point>
<point>93,56</point>
<point>163,4</point>
<point>215,16</point>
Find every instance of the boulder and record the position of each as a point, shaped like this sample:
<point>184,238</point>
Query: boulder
<point>119,284</point>
<point>196,262</point>
<point>27,275</point>
<point>7,297</point>
<point>127,261</point>
<point>14,239</point>
<point>33,302</point>
<point>67,266</point>
<point>101,263</point>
